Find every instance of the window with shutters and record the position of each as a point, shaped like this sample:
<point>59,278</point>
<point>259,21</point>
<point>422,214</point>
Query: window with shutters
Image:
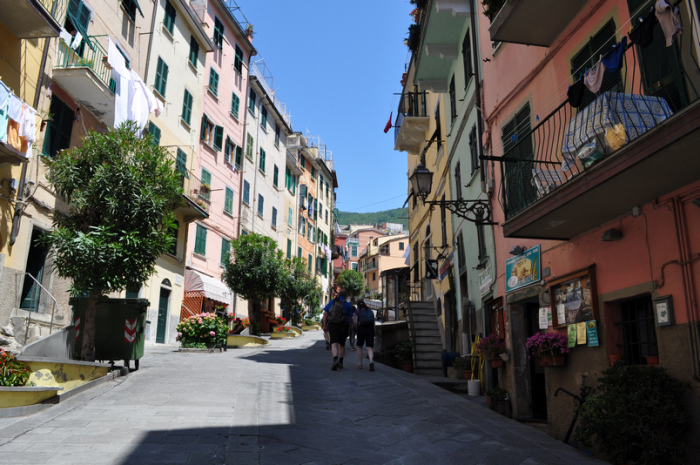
<point>229,148</point>
<point>302,162</point>
<point>290,217</point>
<point>275,176</point>
<point>589,55</point>
<point>459,245</point>
<point>274,217</point>
<point>453,101</point>
<point>200,240</point>
<point>59,128</point>
<point>181,165</point>
<point>458,180</point>
<point>218,38</point>
<point>187,107</point>
<point>249,147</point>
<point>252,97</point>
<point>172,250</point>
<point>235,104</point>
<point>517,145</point>
<point>289,249</point>
<point>474,149</point>
<point>206,179</point>
<point>310,261</point>
<point>261,165</point>
<point>467,58</point>
<point>481,242</point>
<point>228,201</point>
<point>246,192</point>
<point>277,136</point>
<point>299,252</point>
<point>239,157</point>
<point>161,77</point>
<point>78,20</point>
<point>155,132</point>
<point>130,7</point>
<point>238,60</point>
<point>225,250</point>
<point>169,20</point>
<point>213,82</point>
<point>263,118</point>
<point>313,172</point>
<point>261,205</point>
<point>194,52</point>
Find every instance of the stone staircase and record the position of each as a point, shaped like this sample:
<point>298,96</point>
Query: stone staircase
<point>428,345</point>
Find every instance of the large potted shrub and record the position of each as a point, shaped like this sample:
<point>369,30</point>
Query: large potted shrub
<point>549,349</point>
<point>636,414</point>
<point>494,349</point>
<point>403,351</point>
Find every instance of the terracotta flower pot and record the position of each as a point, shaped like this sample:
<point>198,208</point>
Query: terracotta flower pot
<point>467,374</point>
<point>614,358</point>
<point>551,360</point>
<point>496,362</point>
<point>652,360</point>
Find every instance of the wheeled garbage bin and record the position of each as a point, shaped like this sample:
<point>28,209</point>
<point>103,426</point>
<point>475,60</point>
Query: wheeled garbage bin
<point>120,331</point>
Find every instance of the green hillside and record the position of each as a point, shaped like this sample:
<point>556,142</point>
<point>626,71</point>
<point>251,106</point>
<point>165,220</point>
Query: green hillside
<point>397,215</point>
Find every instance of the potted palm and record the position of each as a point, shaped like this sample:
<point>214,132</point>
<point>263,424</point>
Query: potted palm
<point>464,364</point>
<point>493,347</point>
<point>549,349</point>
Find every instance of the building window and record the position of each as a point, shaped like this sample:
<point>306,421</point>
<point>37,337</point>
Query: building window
<point>187,107</point>
<point>326,216</point>
<point>252,97</point>
<point>213,82</point>
<point>310,262</point>
<point>275,176</point>
<point>161,77</point>
<point>238,60</point>
<point>239,157</point>
<point>290,217</point>
<point>638,329</point>
<point>218,33</point>
<point>229,147</point>
<point>200,240</point>
<point>181,164</point>
<point>228,201</point>
<point>481,242</point>
<point>374,276</point>
<point>467,58</point>
<point>246,192</point>
<point>458,180</point>
<point>353,266</point>
<point>517,144</point>
<point>225,250</point>
<point>289,249</point>
<point>299,252</point>
<point>261,205</point>
<point>401,245</point>
<point>249,147</point>
<point>155,133</point>
<point>353,250</point>
<point>173,245</point>
<point>590,54</point>
<point>194,52</point>
<point>474,149</point>
<point>302,162</point>
<point>235,104</point>
<point>130,6</point>
<point>460,252</point>
<point>59,129</point>
<point>211,134</point>
<point>277,136</point>
<point>313,172</point>
<point>274,217</point>
<point>206,179</point>
<point>170,14</point>
<point>263,118</point>
<point>262,160</point>
<point>453,101</point>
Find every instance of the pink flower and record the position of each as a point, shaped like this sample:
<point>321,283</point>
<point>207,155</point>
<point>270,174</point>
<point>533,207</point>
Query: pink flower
<point>179,334</point>
<point>199,321</point>
<point>212,333</point>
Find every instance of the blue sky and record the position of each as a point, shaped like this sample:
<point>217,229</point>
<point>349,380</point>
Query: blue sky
<point>336,66</point>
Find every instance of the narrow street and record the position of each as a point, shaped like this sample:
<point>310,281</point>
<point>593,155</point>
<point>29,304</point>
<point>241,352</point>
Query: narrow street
<point>276,405</point>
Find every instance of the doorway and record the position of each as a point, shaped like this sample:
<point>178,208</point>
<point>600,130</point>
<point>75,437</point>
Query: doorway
<point>36,262</point>
<point>538,388</point>
<point>163,304</point>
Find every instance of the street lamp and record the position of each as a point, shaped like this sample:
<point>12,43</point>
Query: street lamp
<point>476,211</point>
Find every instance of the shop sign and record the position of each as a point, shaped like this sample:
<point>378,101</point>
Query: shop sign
<point>485,281</point>
<point>523,269</point>
<point>446,266</point>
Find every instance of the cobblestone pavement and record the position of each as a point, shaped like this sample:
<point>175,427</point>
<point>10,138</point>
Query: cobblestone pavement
<point>280,404</point>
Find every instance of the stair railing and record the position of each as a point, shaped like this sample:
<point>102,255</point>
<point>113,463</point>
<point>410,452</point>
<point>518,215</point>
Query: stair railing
<point>53,308</point>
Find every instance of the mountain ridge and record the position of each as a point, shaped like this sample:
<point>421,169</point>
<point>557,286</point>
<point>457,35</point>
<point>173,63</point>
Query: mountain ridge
<point>396,215</point>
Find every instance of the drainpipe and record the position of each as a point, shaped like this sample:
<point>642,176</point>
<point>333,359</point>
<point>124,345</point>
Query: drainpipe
<point>150,44</point>
<point>477,89</point>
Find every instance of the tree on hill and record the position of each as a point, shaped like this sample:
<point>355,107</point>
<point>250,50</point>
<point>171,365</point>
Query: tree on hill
<point>121,190</point>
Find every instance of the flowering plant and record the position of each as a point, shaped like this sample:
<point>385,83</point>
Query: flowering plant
<point>246,322</point>
<point>12,371</point>
<point>283,329</point>
<point>280,320</point>
<point>492,346</point>
<point>201,331</point>
<point>543,344</point>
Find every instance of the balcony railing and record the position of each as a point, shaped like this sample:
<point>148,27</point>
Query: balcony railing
<point>191,184</point>
<point>93,57</point>
<point>653,84</point>
<point>369,266</point>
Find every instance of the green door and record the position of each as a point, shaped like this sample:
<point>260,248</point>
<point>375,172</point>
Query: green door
<point>162,314</point>
<point>36,260</point>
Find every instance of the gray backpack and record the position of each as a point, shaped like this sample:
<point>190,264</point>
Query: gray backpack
<point>337,312</point>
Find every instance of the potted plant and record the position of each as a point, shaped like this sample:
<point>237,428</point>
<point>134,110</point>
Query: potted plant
<point>413,40</point>
<point>249,30</point>
<point>204,188</point>
<point>492,7</point>
<point>549,349</point>
<point>465,365</point>
<point>492,347</point>
<point>403,351</point>
<point>497,399</point>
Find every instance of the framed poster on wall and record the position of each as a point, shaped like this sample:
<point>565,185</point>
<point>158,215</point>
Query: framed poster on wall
<point>574,298</point>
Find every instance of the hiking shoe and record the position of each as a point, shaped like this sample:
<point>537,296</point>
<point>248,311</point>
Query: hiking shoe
<point>359,367</point>
<point>371,366</point>
<point>335,365</point>
<point>340,364</point>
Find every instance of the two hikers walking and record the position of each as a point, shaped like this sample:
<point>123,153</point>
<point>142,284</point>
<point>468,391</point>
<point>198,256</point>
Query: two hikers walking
<point>338,315</point>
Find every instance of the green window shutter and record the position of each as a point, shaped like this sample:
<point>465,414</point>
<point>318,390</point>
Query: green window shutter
<point>235,104</point>
<point>194,52</point>
<point>155,132</point>
<point>200,240</point>
<point>313,172</point>
<point>246,192</point>
<point>170,15</point>
<point>277,136</point>
<point>213,82</point>
<point>302,162</point>
<point>249,147</point>
<point>239,156</point>
<point>203,128</point>
<point>262,160</point>
<point>187,107</point>
<point>289,249</point>
<point>290,217</point>
<point>311,261</point>
<point>263,117</point>
<point>274,217</point>
<point>238,60</point>
<point>228,147</point>
<point>287,176</point>
<point>302,191</point>
<point>175,233</point>
<point>252,97</point>
<point>225,250</point>
<point>218,137</point>
<point>276,176</point>
<point>299,252</point>
<point>218,33</point>
<point>181,163</point>
<point>294,185</point>
<point>161,77</point>
<point>58,131</point>
<point>261,205</point>
<point>228,201</point>
<point>206,179</point>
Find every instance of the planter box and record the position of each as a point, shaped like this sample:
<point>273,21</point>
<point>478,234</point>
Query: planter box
<point>21,396</point>
<point>235,340</point>
<point>551,360</point>
<point>496,362</point>
<point>275,335</point>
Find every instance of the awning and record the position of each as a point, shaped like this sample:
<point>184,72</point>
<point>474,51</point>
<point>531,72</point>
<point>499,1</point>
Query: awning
<point>212,288</point>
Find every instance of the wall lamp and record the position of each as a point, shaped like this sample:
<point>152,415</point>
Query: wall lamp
<point>518,250</point>
<point>476,211</point>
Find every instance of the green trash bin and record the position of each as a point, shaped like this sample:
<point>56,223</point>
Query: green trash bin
<point>120,331</point>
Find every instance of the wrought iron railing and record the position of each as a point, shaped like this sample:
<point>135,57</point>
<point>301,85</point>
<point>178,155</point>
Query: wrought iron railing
<point>90,54</point>
<point>191,184</point>
<point>37,288</point>
<point>652,85</point>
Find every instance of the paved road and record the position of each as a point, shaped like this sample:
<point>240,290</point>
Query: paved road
<point>277,405</point>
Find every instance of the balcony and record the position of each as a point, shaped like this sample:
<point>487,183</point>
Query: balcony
<point>516,20</point>
<point>411,123</point>
<point>384,250</point>
<point>32,19</point>
<point>193,207</point>
<point>442,38</point>
<point>86,77</point>
<point>369,266</point>
<point>634,142</point>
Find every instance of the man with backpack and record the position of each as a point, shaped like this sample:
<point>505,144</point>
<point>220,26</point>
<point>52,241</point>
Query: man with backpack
<point>336,320</point>
<point>365,333</point>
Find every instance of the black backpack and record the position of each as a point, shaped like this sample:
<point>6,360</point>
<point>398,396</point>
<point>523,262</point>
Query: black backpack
<point>366,317</point>
<point>337,312</point>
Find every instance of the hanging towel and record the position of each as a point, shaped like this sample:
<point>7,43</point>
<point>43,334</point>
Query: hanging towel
<point>27,129</point>
<point>613,59</point>
<point>670,20</point>
<point>76,41</point>
<point>139,105</point>
<point>575,93</point>
<point>13,134</point>
<point>15,108</point>
<point>65,36</point>
<point>643,34</point>
<point>121,98</point>
<point>594,77</point>
<point>115,59</point>
<point>4,105</point>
